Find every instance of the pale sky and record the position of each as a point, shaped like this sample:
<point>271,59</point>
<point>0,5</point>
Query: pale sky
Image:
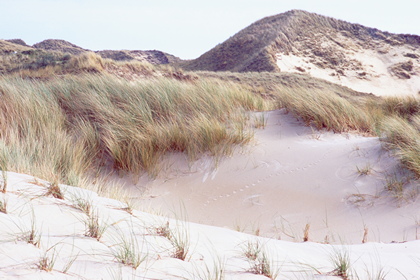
<point>184,28</point>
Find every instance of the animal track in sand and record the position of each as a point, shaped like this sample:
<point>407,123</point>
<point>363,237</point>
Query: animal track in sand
<point>260,180</point>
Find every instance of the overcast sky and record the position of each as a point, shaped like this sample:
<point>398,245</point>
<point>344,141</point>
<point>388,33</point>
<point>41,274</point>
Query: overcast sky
<point>185,28</point>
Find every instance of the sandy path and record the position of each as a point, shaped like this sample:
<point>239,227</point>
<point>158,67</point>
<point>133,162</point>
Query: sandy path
<point>290,177</point>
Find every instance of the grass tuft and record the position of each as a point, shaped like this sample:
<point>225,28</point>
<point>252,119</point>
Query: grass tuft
<point>128,251</point>
<point>259,260</point>
<point>94,228</point>
<point>54,190</point>
<point>366,170</point>
<point>47,262</point>
<point>341,262</point>
<point>3,206</point>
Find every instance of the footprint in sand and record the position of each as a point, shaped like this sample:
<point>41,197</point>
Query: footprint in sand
<point>278,173</point>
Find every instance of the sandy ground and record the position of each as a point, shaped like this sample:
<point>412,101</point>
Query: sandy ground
<point>60,228</point>
<point>377,78</point>
<point>290,177</point>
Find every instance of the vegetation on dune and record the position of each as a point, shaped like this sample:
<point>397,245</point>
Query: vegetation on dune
<point>87,112</point>
<point>255,48</point>
<point>404,137</point>
<point>66,126</point>
<point>325,110</point>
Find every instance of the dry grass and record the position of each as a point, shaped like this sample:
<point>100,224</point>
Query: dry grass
<point>128,251</point>
<point>3,206</point>
<point>94,228</point>
<point>54,190</point>
<point>325,110</point>
<point>259,260</point>
<point>402,106</point>
<point>403,136</point>
<point>306,232</point>
<point>91,121</point>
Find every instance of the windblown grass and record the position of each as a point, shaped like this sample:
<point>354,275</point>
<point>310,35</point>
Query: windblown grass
<point>68,126</point>
<point>402,106</point>
<point>404,136</point>
<point>325,110</point>
<point>396,119</point>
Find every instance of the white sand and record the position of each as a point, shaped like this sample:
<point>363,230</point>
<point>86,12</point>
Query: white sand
<point>378,79</point>
<point>62,240</point>
<point>291,176</point>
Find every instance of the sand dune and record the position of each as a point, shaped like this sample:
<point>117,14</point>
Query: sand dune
<point>291,176</point>
<point>60,229</point>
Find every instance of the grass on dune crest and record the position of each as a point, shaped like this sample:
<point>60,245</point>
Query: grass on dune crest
<point>395,119</point>
<point>404,137</point>
<point>325,110</point>
<point>64,127</point>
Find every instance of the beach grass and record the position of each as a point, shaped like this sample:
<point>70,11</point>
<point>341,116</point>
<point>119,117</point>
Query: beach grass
<point>65,127</point>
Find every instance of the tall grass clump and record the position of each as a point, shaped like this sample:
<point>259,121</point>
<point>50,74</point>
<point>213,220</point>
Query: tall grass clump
<point>401,106</point>
<point>33,132</point>
<point>325,110</point>
<point>86,62</point>
<point>68,126</point>
<point>404,136</point>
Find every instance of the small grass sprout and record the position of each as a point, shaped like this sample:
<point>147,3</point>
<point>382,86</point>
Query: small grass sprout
<point>83,204</point>
<point>259,260</point>
<point>306,232</point>
<point>128,251</point>
<point>54,190</point>
<point>363,171</point>
<point>341,262</point>
<point>31,235</point>
<point>47,261</point>
<point>94,228</point>
<point>3,206</point>
<point>216,271</point>
<point>180,240</point>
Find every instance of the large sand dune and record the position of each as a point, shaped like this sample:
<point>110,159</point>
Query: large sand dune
<point>292,176</point>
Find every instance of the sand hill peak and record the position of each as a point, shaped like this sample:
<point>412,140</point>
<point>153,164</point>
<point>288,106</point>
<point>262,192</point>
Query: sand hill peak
<point>341,52</point>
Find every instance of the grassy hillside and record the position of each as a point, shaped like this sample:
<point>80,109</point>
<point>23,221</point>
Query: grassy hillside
<point>60,46</point>
<point>255,47</point>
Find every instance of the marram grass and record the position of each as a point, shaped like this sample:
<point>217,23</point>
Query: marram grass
<point>65,127</point>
